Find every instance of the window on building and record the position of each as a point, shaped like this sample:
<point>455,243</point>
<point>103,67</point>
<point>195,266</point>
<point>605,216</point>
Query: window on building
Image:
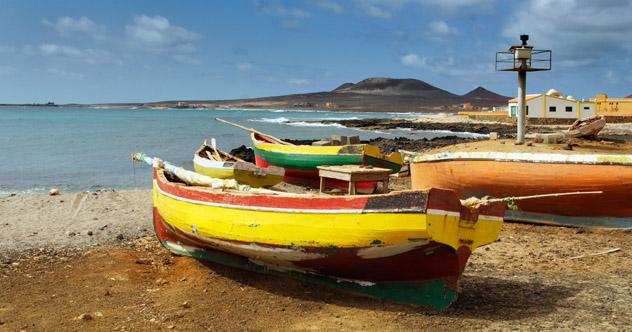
<point>569,108</point>
<point>527,109</point>
<point>586,107</point>
<point>552,109</point>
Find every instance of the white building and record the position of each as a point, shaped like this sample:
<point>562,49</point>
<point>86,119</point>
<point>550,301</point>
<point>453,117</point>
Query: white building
<point>553,105</point>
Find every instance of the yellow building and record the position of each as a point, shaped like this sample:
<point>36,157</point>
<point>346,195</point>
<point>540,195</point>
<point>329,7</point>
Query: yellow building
<point>612,106</point>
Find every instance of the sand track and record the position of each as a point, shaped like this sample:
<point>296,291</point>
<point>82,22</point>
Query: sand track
<point>524,281</point>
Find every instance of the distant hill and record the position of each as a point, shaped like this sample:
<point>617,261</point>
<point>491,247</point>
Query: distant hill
<point>630,96</point>
<point>483,97</point>
<point>372,94</point>
<point>383,86</point>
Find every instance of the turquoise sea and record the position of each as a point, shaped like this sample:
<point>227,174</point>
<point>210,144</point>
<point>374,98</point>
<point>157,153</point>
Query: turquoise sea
<point>78,149</point>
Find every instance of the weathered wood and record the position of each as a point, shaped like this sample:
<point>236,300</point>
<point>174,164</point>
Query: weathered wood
<point>597,253</point>
<point>354,173</point>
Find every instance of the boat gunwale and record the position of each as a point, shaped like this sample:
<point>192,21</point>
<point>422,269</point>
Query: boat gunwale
<point>162,180</point>
<point>538,158</point>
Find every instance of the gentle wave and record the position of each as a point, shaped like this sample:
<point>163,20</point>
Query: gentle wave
<point>32,191</point>
<point>450,132</point>
<point>271,120</point>
<point>314,124</point>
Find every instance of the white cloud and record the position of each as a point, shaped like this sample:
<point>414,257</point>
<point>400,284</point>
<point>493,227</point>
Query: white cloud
<point>67,26</point>
<point>244,66</point>
<point>277,9</point>
<point>329,5</point>
<point>386,8</point>
<point>158,34</point>
<point>89,55</point>
<point>64,74</point>
<point>441,28</point>
<point>298,81</point>
<point>187,59</point>
<point>375,11</point>
<point>59,50</point>
<point>412,60</point>
<point>448,66</point>
<point>579,32</point>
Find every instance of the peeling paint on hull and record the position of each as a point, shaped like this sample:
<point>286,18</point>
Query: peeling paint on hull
<point>408,246</point>
<point>438,291</point>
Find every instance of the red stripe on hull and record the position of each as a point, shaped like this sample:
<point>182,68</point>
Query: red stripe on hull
<point>431,261</point>
<point>408,200</point>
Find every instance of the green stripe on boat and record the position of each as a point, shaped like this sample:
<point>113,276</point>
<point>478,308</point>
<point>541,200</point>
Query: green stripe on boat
<point>307,161</point>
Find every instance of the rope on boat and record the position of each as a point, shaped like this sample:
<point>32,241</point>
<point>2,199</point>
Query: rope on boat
<point>189,177</point>
<point>511,201</point>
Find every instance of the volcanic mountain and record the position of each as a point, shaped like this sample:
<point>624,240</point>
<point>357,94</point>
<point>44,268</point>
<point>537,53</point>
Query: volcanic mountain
<point>371,94</point>
<point>483,97</point>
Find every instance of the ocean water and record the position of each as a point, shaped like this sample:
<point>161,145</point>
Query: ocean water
<point>79,149</point>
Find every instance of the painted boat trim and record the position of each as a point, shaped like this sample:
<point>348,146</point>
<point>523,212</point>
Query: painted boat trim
<point>569,221</point>
<point>551,158</point>
<point>312,211</point>
<point>212,163</point>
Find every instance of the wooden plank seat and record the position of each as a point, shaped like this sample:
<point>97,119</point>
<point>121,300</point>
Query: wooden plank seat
<point>352,174</point>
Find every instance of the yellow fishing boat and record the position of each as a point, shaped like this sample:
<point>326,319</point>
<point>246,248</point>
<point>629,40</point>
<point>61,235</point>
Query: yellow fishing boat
<point>211,161</point>
<point>405,246</point>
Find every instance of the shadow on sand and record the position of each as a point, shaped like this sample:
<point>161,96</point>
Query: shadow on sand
<point>480,297</point>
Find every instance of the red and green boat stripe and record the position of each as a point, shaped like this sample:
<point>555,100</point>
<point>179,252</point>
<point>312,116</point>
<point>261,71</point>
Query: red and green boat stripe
<point>306,161</point>
<point>297,161</point>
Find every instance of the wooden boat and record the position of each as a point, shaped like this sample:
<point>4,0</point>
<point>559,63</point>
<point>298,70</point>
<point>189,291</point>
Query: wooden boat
<point>408,246</point>
<point>213,162</point>
<point>586,127</point>
<point>300,161</point>
<point>503,174</point>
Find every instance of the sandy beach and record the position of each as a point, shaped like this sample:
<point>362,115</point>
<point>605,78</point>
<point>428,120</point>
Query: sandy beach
<point>89,261</point>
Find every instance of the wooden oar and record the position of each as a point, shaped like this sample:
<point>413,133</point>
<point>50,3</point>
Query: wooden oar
<point>254,131</point>
<point>214,146</point>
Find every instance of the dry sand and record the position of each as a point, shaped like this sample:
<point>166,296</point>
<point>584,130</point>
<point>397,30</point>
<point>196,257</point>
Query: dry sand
<point>120,279</point>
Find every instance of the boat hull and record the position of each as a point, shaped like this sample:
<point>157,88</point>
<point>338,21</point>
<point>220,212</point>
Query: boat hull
<point>240,171</point>
<point>522,178</point>
<point>301,162</point>
<point>408,247</point>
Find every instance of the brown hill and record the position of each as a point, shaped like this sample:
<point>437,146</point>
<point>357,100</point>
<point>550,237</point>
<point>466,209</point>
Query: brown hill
<point>483,97</point>
<point>383,86</point>
<point>372,94</point>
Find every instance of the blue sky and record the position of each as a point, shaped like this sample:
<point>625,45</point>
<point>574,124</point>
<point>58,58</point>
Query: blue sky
<point>135,51</point>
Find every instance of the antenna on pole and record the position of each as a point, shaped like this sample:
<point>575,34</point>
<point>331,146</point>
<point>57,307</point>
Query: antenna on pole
<point>523,58</point>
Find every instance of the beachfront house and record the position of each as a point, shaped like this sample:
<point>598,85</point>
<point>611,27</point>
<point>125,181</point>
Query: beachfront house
<point>553,105</point>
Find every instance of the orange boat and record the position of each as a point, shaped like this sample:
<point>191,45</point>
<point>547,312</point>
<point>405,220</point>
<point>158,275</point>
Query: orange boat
<point>510,174</point>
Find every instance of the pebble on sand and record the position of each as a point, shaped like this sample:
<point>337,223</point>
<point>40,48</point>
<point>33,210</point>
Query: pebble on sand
<point>53,192</point>
<point>85,316</point>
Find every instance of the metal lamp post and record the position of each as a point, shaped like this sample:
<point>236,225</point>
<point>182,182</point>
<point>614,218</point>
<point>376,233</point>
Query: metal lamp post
<point>523,58</point>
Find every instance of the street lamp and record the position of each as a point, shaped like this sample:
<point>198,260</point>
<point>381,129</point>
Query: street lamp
<point>523,58</point>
